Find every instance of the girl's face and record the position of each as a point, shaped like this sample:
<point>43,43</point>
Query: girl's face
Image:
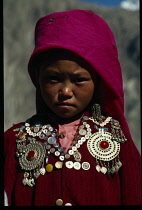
<point>66,87</point>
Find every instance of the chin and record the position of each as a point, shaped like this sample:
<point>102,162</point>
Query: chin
<point>69,115</point>
<point>66,115</point>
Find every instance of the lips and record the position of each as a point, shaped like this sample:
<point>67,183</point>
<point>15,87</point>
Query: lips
<point>65,104</point>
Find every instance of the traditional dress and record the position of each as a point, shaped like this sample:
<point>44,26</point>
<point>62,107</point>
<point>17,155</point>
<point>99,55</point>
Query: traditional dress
<point>91,160</point>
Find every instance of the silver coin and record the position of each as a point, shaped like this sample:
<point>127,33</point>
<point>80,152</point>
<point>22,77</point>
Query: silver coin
<point>56,144</point>
<point>27,124</point>
<point>34,135</point>
<point>61,158</point>
<point>80,142</point>
<point>58,165</point>
<point>85,118</point>
<point>36,129</point>
<point>48,146</point>
<point>87,126</point>
<point>41,136</point>
<point>44,131</point>
<point>77,165</point>
<point>48,133</point>
<point>38,134</point>
<point>82,132</point>
<point>67,156</point>
<point>53,134</point>
<point>77,145</point>
<point>50,129</point>
<point>69,164</point>
<point>71,152</point>
<point>74,148</point>
<point>81,127</point>
<point>52,150</point>
<point>51,140</point>
<point>68,204</point>
<point>83,139</point>
<point>86,166</point>
<point>89,130</point>
<point>86,136</point>
<point>60,149</point>
<point>57,153</point>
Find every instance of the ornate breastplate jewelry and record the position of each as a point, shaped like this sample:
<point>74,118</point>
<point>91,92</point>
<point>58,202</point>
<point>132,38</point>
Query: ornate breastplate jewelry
<point>36,142</point>
<point>33,154</point>
<point>31,157</point>
<point>105,146</point>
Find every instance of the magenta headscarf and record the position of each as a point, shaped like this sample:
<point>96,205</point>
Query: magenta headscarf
<point>89,36</point>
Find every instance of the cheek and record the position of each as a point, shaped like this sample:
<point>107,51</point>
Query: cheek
<point>86,93</point>
<point>48,93</point>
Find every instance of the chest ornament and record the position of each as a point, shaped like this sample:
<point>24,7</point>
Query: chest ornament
<point>105,146</point>
<point>36,142</point>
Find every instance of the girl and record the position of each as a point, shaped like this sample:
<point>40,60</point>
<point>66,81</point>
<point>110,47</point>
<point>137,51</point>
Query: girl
<point>77,149</point>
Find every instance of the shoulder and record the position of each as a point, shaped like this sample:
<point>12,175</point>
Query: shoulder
<point>10,137</point>
<point>13,129</point>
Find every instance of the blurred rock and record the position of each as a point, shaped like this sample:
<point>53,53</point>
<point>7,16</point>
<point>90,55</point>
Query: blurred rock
<point>20,18</point>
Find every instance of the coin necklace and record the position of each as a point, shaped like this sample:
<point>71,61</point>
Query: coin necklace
<point>102,145</point>
<point>34,154</point>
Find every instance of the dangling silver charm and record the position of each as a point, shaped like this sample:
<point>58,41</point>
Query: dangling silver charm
<point>117,134</point>
<point>42,171</point>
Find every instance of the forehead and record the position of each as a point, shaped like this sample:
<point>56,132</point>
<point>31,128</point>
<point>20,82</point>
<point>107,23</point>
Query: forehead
<point>53,55</point>
<point>64,68</point>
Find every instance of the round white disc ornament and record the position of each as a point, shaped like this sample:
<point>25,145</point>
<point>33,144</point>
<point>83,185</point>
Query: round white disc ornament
<point>102,147</point>
<point>77,165</point>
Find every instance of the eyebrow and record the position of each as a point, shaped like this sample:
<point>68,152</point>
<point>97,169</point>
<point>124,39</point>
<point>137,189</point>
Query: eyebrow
<point>51,70</point>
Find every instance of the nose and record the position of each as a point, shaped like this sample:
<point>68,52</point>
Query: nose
<point>65,91</point>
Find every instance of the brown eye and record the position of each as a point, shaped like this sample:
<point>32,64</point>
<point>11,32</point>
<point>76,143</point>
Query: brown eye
<point>53,79</point>
<point>80,79</point>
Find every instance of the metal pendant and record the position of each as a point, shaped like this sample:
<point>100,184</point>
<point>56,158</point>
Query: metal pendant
<point>33,156</point>
<point>102,147</point>
<point>77,156</point>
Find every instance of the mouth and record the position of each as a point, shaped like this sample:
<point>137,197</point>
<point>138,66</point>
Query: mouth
<point>65,105</point>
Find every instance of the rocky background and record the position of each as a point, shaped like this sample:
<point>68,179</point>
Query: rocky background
<point>20,18</point>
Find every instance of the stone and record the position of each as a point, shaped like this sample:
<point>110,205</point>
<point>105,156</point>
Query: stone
<point>104,144</point>
<point>31,155</point>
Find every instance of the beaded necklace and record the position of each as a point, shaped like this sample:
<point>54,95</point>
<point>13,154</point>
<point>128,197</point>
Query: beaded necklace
<point>33,154</point>
<point>102,145</point>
